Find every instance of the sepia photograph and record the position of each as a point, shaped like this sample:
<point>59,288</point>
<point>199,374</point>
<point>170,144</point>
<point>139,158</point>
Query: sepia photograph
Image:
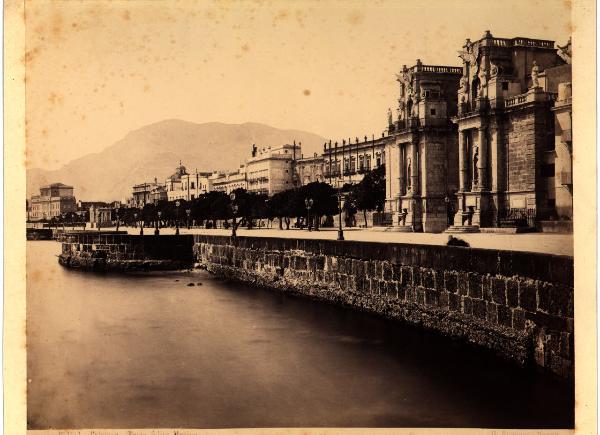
<point>271,214</point>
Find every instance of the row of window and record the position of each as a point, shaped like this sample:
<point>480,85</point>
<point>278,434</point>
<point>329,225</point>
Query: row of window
<point>364,164</point>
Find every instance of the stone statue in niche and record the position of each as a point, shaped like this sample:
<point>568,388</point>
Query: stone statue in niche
<point>475,160</point>
<point>409,91</point>
<point>414,112</point>
<point>494,70</point>
<point>483,81</point>
<point>390,118</point>
<point>535,80</point>
<point>464,84</point>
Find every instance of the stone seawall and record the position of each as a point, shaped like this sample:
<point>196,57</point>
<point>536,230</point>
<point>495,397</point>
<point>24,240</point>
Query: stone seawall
<point>518,304</point>
<point>122,252</point>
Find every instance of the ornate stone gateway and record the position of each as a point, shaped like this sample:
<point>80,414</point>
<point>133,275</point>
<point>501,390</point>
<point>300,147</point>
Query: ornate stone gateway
<point>419,174</point>
<point>505,131</point>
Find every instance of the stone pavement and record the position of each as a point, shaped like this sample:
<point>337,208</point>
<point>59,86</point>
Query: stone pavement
<point>558,244</point>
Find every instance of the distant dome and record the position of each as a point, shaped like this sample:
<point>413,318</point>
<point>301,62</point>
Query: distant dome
<point>179,172</point>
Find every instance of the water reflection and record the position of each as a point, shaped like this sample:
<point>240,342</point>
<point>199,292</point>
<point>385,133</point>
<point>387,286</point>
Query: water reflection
<point>151,351</point>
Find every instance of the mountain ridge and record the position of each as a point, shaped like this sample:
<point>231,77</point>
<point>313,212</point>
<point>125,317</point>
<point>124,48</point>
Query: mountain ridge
<point>154,150</point>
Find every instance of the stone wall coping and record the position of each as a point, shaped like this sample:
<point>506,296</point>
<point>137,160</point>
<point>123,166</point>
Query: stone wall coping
<point>544,267</point>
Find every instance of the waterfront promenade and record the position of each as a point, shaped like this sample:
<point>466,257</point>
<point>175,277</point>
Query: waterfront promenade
<point>557,244</point>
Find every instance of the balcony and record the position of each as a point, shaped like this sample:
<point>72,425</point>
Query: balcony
<point>535,95</point>
<point>515,101</point>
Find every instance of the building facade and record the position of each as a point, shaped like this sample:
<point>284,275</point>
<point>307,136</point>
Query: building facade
<point>420,172</point>
<point>347,163</point>
<point>228,181</point>
<point>53,201</point>
<point>272,170</point>
<point>143,194</point>
<point>186,186</point>
<point>100,216</point>
<point>310,169</point>
<point>507,132</point>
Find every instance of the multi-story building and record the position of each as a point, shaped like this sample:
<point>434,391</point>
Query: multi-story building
<point>100,216</point>
<point>271,170</point>
<point>229,181</point>
<point>143,193</point>
<point>174,184</point>
<point>54,200</point>
<point>186,186</point>
<point>348,162</point>
<point>507,133</point>
<point>422,149</point>
<point>310,169</point>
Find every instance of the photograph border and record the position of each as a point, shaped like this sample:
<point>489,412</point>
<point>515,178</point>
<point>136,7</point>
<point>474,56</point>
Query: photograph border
<point>585,238</point>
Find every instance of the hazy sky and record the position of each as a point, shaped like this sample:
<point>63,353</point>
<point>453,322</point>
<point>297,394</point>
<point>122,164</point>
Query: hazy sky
<point>97,69</point>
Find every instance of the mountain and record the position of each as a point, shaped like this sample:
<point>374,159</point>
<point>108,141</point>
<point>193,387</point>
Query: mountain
<point>155,151</point>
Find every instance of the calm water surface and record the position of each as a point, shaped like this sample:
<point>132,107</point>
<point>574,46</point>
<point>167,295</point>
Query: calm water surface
<point>113,351</point>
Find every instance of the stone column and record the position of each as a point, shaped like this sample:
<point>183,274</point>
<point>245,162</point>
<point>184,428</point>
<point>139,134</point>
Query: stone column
<point>402,169</point>
<point>462,160</point>
<point>388,163</point>
<point>414,166</point>
<point>482,163</point>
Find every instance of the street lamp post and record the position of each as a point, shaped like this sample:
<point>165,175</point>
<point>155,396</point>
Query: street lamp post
<point>308,202</point>
<point>118,222</point>
<point>188,212</point>
<point>340,231</point>
<point>177,203</point>
<point>234,210</point>
<point>447,202</point>
<point>141,223</point>
<point>64,216</point>
<point>267,214</point>
<point>157,226</point>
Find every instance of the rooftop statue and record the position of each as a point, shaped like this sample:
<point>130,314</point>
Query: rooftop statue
<point>565,52</point>
<point>535,80</point>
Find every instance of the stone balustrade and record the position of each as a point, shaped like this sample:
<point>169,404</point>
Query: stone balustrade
<point>520,42</point>
<point>515,101</point>
<point>439,69</point>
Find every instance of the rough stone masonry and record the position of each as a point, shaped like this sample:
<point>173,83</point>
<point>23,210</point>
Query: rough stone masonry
<point>516,303</point>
